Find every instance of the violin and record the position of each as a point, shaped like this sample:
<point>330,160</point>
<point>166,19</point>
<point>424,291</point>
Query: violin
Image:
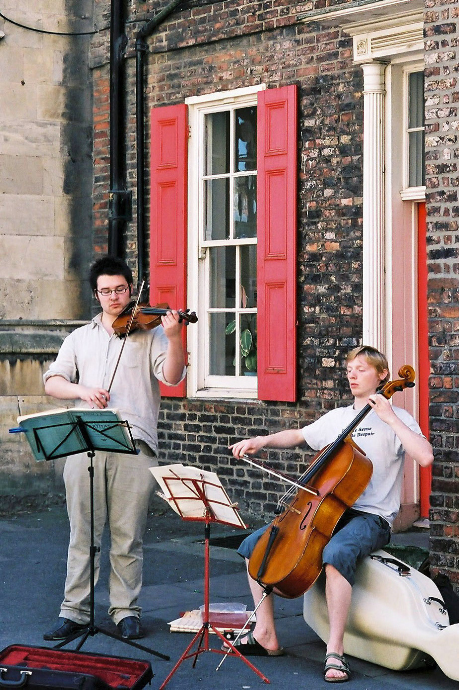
<point>288,556</point>
<point>142,316</point>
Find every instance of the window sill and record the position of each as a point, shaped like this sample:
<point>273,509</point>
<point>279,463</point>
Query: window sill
<point>413,194</point>
<point>228,393</point>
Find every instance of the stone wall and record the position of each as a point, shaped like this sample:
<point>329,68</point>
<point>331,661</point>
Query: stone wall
<point>45,215</point>
<point>45,161</point>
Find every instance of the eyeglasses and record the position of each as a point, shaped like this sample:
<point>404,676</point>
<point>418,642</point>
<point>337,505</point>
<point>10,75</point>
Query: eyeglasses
<point>120,290</point>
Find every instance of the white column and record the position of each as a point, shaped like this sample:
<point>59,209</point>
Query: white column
<point>373,206</point>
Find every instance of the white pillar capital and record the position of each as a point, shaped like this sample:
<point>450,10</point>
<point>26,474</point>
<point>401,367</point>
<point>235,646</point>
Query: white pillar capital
<point>374,77</point>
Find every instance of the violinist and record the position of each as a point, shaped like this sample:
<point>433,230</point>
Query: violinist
<point>83,371</point>
<point>385,435</point>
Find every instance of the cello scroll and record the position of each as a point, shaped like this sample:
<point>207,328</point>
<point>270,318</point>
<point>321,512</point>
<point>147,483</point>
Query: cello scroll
<point>407,376</point>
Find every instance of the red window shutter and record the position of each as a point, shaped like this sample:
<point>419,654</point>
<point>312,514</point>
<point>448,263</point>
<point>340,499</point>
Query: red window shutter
<point>168,224</point>
<point>276,254</point>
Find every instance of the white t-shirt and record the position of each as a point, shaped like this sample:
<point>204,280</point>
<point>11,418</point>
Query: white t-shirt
<point>382,447</point>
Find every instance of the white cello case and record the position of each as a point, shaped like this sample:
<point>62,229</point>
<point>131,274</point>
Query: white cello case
<point>395,620</point>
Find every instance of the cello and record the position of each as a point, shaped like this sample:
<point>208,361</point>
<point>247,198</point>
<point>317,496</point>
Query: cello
<point>288,556</point>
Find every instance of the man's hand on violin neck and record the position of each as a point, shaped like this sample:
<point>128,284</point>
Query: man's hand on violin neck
<point>171,324</point>
<point>96,397</point>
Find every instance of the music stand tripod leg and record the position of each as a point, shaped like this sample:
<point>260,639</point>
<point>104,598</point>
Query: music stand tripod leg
<point>203,632</point>
<point>232,649</point>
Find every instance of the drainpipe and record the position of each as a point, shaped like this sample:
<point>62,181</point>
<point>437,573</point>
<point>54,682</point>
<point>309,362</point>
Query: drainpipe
<point>141,49</point>
<point>119,199</point>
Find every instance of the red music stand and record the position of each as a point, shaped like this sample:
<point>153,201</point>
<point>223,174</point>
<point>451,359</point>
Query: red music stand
<point>198,495</point>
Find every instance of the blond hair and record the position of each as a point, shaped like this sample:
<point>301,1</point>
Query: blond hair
<point>373,357</point>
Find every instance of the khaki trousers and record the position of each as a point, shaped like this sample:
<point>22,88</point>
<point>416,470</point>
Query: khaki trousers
<point>122,489</point>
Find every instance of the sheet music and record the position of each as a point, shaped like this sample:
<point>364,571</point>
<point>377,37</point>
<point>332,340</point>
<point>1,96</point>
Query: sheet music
<point>184,488</point>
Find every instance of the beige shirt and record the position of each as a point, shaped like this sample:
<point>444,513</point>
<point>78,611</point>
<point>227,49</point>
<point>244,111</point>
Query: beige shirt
<point>88,356</point>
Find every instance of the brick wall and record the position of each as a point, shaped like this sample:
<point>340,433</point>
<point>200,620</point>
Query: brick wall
<point>442,180</point>
<point>221,46</point>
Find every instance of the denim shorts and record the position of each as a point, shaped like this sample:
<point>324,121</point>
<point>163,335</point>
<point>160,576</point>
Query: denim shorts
<point>356,535</point>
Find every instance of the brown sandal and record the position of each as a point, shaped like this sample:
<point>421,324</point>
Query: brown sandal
<point>343,667</point>
<point>253,648</point>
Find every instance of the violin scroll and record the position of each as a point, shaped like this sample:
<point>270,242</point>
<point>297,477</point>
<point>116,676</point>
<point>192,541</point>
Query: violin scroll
<point>187,316</point>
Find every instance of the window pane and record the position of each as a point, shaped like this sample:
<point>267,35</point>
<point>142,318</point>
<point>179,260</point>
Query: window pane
<point>248,276</point>
<point>222,345</point>
<point>222,277</point>
<point>416,139</point>
<point>248,344</point>
<point>246,139</point>
<point>216,195</point>
<point>416,162</point>
<point>245,206</point>
<point>416,100</point>
<point>217,143</point>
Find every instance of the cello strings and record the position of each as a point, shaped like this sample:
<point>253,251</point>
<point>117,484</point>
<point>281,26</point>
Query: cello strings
<point>290,493</point>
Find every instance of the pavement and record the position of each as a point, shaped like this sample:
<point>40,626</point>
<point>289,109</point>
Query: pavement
<point>32,571</point>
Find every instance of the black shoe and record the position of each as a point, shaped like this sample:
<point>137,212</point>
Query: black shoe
<point>65,629</point>
<point>130,628</point>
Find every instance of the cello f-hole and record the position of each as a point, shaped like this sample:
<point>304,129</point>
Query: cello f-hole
<point>305,516</point>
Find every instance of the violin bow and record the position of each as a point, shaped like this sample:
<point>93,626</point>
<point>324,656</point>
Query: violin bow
<point>128,329</point>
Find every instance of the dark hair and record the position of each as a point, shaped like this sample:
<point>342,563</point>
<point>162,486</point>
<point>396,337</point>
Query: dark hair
<point>109,266</point>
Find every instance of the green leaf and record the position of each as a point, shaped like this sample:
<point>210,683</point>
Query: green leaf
<point>251,362</point>
<point>246,342</point>
<point>231,327</point>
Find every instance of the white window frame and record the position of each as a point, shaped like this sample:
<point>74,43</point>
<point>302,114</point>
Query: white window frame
<point>409,193</point>
<point>200,383</point>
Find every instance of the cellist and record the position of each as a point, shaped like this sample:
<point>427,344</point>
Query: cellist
<point>385,435</point>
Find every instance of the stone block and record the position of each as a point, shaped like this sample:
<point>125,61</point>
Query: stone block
<point>20,473</point>
<point>30,139</point>
<point>21,175</point>
<point>20,104</point>
<point>21,377</point>
<point>27,215</point>
<point>38,66</point>
<point>12,68</point>
<point>53,176</point>
<point>32,258</point>
<point>44,299</point>
<point>50,102</point>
